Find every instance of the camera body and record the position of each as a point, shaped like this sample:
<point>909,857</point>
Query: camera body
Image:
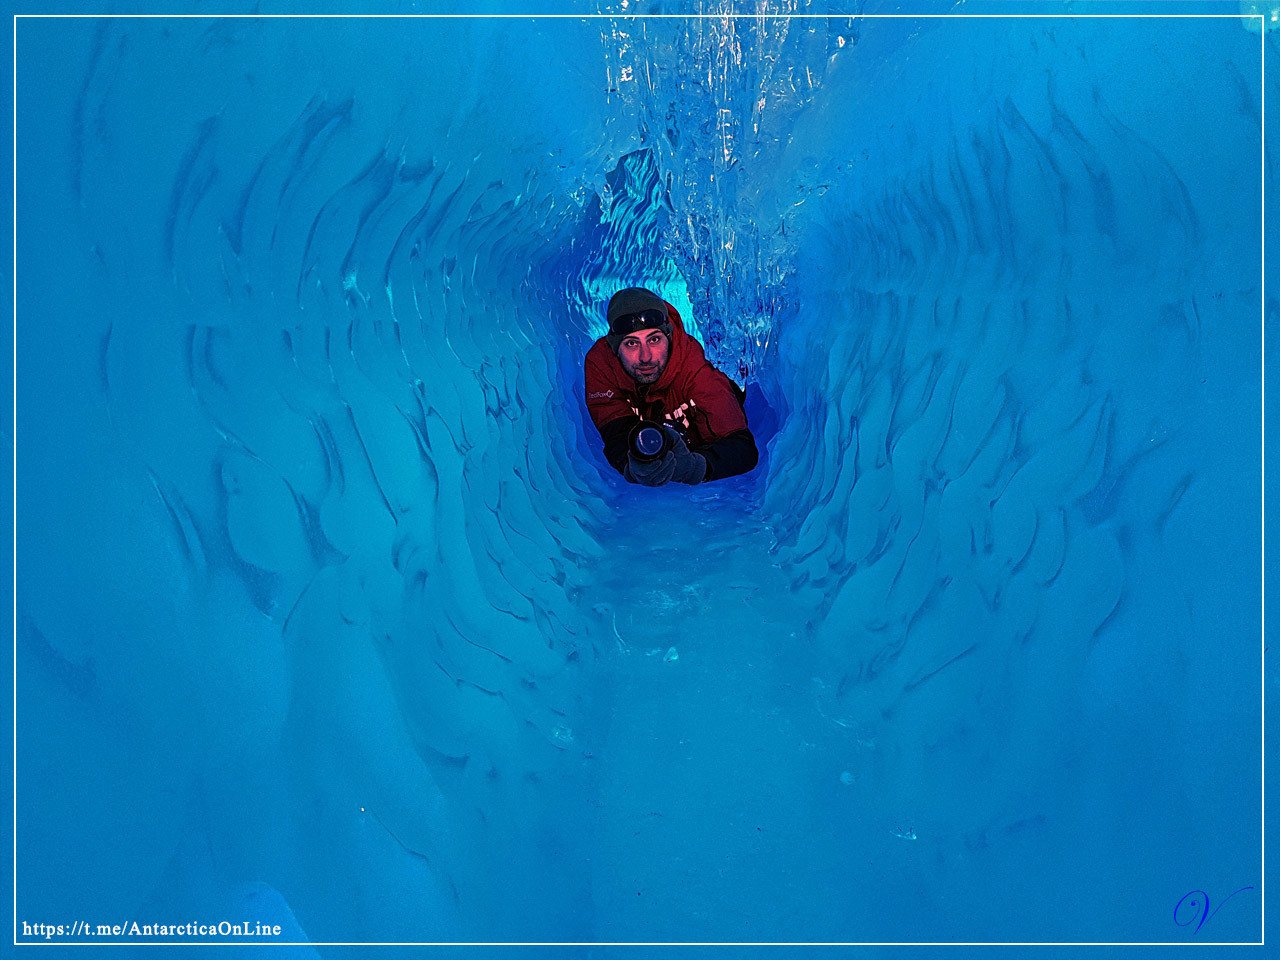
<point>648,441</point>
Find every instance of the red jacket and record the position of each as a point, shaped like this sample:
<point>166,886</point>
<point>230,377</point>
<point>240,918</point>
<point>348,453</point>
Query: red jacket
<point>691,393</point>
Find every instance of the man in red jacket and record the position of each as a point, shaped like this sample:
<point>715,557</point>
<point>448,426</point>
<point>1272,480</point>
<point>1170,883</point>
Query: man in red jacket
<point>647,368</point>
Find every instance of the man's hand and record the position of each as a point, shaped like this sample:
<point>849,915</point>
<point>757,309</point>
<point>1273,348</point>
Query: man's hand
<point>689,467</point>
<point>651,473</point>
<point>679,464</point>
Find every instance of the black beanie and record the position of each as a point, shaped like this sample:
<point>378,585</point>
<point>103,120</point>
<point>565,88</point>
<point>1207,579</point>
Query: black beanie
<point>634,309</point>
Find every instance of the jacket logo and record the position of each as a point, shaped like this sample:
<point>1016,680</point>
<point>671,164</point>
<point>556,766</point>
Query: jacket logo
<point>603,395</point>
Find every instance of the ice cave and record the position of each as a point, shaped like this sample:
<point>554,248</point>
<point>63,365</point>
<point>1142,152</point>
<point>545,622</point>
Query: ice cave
<point>330,614</point>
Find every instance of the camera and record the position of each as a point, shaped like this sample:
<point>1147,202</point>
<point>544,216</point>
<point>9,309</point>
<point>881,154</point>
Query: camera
<point>648,441</point>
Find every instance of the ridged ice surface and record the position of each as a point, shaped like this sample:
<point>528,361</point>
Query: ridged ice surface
<point>330,609</point>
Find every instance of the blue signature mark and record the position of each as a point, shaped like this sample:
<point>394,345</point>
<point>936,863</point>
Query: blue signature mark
<point>1197,902</point>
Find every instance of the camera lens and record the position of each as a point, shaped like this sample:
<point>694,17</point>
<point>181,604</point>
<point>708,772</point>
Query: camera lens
<point>649,442</point>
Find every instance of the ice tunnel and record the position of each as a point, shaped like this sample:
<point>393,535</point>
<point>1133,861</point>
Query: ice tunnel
<point>330,613</point>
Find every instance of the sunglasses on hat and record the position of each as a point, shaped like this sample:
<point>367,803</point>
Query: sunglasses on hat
<point>631,322</point>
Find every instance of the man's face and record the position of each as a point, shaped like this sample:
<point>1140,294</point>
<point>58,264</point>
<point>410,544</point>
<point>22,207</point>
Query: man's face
<point>644,354</point>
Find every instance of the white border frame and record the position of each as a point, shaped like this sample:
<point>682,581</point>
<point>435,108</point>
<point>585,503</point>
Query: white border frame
<point>251,944</point>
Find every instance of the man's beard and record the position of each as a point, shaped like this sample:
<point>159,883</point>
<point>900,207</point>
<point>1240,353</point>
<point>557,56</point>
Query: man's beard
<point>644,378</point>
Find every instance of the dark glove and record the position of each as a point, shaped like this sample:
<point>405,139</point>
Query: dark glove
<point>689,467</point>
<point>651,473</point>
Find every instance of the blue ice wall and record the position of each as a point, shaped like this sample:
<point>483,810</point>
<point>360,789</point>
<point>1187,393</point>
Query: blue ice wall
<point>1036,318</point>
<point>329,608</point>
